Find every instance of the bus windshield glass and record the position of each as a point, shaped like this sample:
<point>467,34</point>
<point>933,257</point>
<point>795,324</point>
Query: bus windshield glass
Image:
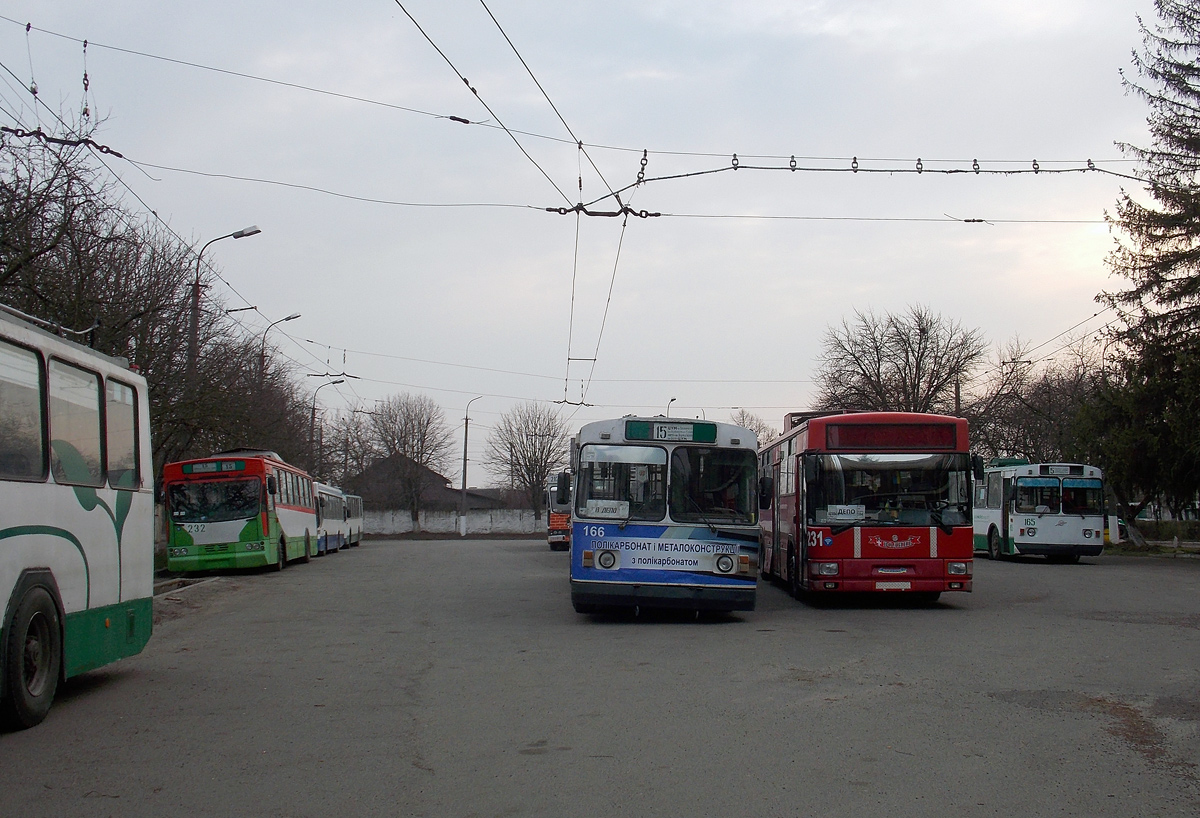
<point>1082,496</point>
<point>214,501</point>
<point>1038,495</point>
<point>714,485</point>
<point>890,489</point>
<point>622,482</point>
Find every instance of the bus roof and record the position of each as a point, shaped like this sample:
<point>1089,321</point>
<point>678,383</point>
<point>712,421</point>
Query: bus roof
<point>660,429</point>
<point>880,431</point>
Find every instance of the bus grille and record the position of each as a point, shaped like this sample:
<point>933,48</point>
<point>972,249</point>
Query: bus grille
<point>215,549</point>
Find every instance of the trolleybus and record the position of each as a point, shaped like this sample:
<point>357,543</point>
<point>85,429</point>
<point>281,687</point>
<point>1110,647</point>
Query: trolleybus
<point>558,520</point>
<point>871,501</point>
<point>331,518</point>
<point>244,508</point>
<point>664,514</point>
<point>76,514</point>
<point>354,519</point>
<point>1055,510</point>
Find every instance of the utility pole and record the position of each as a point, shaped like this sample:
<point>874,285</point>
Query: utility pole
<point>462,499</point>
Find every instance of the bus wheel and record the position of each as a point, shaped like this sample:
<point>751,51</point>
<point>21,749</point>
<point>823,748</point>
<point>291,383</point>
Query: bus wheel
<point>281,559</point>
<point>993,545</point>
<point>762,563</point>
<point>584,608</point>
<point>794,574</point>
<point>34,658</point>
<point>307,549</point>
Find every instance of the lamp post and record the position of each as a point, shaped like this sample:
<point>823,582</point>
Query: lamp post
<point>462,498</point>
<point>194,334</point>
<point>672,400</point>
<point>262,353</point>
<point>312,423</point>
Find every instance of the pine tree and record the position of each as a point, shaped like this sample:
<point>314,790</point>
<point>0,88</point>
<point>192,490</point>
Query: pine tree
<point>1160,255</point>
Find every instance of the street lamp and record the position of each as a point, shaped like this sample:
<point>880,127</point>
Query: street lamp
<point>312,423</point>
<point>194,335</point>
<point>462,499</point>
<point>262,353</point>
<point>193,338</point>
<point>672,400</point>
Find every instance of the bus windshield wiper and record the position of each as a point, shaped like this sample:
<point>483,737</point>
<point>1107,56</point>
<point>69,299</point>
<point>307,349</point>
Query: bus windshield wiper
<point>700,511</point>
<point>935,514</point>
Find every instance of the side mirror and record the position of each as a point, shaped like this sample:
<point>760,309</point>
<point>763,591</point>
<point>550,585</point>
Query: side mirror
<point>977,466</point>
<point>272,486</point>
<point>562,490</point>
<point>766,491</point>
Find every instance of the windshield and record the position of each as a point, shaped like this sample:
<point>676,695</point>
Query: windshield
<point>622,482</point>
<point>714,485</point>
<point>214,501</point>
<point>1046,495</point>
<point>1082,496</point>
<point>1041,495</point>
<point>890,489</point>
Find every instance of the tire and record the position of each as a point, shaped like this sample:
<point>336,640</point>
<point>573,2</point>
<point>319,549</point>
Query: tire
<point>33,661</point>
<point>993,550</point>
<point>583,608</point>
<point>281,558</point>
<point>794,574</point>
<point>307,549</point>
<point>926,597</point>
<point>762,563</point>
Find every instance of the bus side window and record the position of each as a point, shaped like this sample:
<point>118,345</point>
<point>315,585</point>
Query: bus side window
<point>22,441</point>
<point>75,433</point>
<point>122,427</point>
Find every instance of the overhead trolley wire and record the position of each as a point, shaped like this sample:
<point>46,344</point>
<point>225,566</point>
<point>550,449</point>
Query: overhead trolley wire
<point>482,102</point>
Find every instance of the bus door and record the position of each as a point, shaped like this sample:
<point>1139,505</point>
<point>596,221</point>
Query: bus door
<point>801,527</point>
<point>776,518</point>
<point>1007,507</point>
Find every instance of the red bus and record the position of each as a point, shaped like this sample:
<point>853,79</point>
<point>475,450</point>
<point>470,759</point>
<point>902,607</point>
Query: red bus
<point>868,501</point>
<point>243,508</point>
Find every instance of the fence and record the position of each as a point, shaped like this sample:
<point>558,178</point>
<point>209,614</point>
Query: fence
<point>497,521</point>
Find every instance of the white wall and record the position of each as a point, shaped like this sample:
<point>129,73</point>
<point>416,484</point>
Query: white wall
<point>499,521</point>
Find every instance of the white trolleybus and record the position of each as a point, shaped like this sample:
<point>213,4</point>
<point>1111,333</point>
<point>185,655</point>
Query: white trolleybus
<point>665,515</point>
<point>76,514</point>
<point>1055,510</point>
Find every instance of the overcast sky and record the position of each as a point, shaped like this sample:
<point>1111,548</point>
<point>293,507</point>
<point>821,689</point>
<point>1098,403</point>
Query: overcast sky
<point>456,282</point>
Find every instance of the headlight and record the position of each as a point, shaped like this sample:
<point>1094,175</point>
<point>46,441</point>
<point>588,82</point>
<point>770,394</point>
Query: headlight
<point>178,552</point>
<point>1087,533</point>
<point>254,546</point>
<point>959,568</point>
<point>606,559</point>
<point>725,564</point>
<point>826,569</point>
<point>1029,532</point>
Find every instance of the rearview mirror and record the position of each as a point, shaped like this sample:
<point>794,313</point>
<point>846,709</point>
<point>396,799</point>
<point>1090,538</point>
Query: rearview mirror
<point>766,491</point>
<point>272,486</point>
<point>562,490</point>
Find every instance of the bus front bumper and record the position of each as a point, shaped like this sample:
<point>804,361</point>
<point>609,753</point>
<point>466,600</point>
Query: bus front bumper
<point>692,597</point>
<point>207,561</point>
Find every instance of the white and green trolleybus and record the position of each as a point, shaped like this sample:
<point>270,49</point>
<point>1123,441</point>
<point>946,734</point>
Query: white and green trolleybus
<point>1054,510</point>
<point>665,515</point>
<point>76,514</point>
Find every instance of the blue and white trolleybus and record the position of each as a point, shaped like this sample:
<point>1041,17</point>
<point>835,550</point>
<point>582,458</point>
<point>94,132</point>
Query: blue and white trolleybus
<point>665,514</point>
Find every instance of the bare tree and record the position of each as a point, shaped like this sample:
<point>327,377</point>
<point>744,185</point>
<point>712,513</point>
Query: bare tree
<point>764,430</point>
<point>527,446</point>
<point>412,430</point>
<point>916,361</point>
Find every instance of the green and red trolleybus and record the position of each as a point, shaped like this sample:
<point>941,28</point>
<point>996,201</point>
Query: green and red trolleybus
<point>243,508</point>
